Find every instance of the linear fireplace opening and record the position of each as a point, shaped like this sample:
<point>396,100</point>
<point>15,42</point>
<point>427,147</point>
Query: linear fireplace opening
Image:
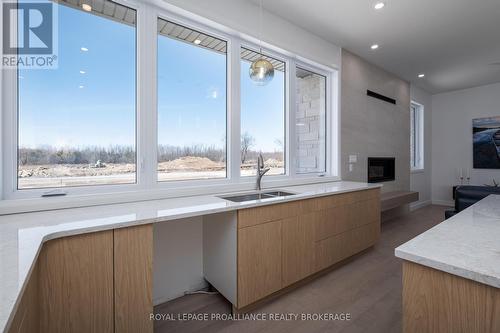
<point>381,169</point>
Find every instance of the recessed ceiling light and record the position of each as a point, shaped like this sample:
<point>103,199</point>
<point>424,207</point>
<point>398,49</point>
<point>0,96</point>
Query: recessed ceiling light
<point>82,72</point>
<point>197,41</point>
<point>379,5</point>
<point>421,75</point>
<point>87,7</point>
<point>84,49</point>
<point>374,46</point>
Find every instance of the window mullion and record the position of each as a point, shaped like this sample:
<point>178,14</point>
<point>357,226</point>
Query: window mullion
<point>146,97</point>
<point>9,123</point>
<point>291,119</point>
<point>234,110</point>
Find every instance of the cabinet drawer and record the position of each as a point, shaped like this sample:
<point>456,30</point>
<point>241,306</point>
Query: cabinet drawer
<point>333,221</point>
<point>322,203</point>
<point>364,212</point>
<point>365,195</point>
<point>334,249</point>
<point>254,216</point>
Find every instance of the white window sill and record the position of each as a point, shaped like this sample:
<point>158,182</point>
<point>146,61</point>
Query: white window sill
<point>14,206</point>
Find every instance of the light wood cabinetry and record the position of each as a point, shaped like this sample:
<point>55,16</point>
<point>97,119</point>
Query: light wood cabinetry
<point>439,302</point>
<point>298,248</point>
<point>96,282</point>
<point>102,281</point>
<point>76,284</point>
<point>133,251</point>
<point>281,244</point>
<point>339,247</point>
<point>27,316</point>
<point>259,261</point>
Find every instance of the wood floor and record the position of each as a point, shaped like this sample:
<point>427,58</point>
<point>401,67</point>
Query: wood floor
<point>369,288</point>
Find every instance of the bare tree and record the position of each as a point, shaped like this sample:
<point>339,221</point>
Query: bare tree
<point>247,141</point>
<point>279,143</point>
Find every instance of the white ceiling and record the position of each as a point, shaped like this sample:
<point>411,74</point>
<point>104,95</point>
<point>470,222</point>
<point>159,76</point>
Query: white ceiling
<point>456,43</point>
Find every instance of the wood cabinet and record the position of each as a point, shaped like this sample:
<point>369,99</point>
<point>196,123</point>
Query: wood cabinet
<point>281,244</point>
<point>259,261</point>
<point>76,284</point>
<point>438,302</point>
<point>298,248</point>
<point>27,316</point>
<point>96,282</point>
<point>133,278</point>
<point>339,247</point>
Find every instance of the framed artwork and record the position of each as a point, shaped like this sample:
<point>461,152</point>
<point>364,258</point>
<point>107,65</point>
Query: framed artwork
<point>486,142</point>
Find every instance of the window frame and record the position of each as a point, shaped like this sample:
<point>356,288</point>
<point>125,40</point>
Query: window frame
<point>287,113</point>
<point>417,122</point>
<point>11,130</point>
<point>147,185</point>
<point>328,115</point>
<point>199,27</point>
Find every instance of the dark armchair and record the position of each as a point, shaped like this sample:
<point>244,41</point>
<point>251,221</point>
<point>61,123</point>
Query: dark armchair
<point>467,195</point>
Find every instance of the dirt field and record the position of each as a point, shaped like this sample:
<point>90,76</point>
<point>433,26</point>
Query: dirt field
<point>60,175</point>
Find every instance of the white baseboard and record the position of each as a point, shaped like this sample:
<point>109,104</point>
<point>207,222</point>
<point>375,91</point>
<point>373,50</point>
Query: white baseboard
<point>419,204</point>
<point>443,203</point>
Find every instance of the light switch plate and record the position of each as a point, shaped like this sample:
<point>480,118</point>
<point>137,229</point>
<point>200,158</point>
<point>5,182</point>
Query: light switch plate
<point>353,158</point>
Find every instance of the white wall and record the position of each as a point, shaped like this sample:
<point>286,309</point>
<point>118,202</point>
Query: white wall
<point>452,116</point>
<point>177,258</point>
<point>1,116</point>
<point>243,16</point>
<point>420,181</point>
<point>178,261</point>
<point>371,127</point>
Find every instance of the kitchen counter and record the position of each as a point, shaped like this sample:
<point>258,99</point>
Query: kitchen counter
<point>22,235</point>
<point>466,245</point>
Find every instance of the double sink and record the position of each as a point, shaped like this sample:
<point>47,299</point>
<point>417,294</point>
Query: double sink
<point>256,196</point>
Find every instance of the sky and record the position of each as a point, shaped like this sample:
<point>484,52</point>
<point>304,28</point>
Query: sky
<point>90,99</point>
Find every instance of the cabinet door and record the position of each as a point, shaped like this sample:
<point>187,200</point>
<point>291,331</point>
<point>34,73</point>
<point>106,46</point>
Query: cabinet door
<point>27,317</point>
<point>133,249</point>
<point>298,247</point>
<point>259,262</point>
<point>76,284</point>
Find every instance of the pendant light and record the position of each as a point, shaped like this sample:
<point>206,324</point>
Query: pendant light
<point>261,71</point>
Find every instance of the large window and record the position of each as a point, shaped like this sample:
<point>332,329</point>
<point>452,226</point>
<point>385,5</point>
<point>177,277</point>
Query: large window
<point>144,99</point>
<point>262,118</point>
<point>191,104</point>
<point>310,122</point>
<point>416,136</point>
<point>77,123</point>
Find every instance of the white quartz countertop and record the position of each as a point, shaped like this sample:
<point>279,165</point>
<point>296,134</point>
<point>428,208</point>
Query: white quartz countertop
<point>21,235</point>
<point>467,244</point>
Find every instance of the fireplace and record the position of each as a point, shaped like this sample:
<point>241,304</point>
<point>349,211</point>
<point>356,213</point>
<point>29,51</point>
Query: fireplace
<point>381,169</point>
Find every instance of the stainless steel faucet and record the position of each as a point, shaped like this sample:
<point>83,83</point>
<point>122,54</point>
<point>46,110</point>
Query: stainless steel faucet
<point>261,171</point>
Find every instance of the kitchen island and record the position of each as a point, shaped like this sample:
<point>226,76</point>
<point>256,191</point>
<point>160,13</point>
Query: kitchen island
<point>451,273</point>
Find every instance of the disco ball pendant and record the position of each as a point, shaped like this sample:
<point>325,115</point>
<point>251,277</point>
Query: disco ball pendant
<point>261,72</point>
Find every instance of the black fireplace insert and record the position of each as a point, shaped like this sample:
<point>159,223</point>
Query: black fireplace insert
<point>381,169</point>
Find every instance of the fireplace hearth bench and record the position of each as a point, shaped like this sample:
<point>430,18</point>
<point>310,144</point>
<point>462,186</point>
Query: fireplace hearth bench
<point>394,199</point>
